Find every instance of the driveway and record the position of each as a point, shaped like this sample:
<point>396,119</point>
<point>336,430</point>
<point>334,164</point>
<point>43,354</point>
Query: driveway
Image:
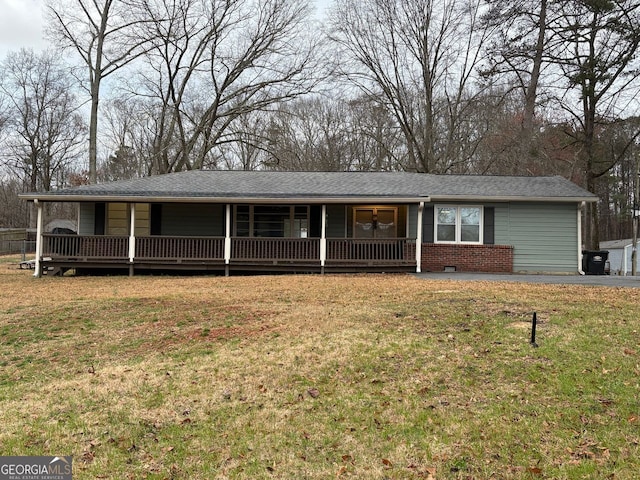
<point>596,280</point>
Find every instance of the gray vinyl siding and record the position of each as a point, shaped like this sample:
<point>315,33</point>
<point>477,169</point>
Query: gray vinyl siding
<point>192,220</point>
<point>336,221</point>
<point>402,221</point>
<point>412,225</point>
<point>544,236</point>
<point>86,224</point>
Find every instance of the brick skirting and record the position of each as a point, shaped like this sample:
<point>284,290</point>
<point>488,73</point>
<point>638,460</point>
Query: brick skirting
<point>436,257</point>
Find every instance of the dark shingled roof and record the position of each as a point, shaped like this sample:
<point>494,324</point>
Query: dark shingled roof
<point>248,185</point>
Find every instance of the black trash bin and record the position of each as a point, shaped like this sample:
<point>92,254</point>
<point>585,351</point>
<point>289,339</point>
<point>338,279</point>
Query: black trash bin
<point>594,262</point>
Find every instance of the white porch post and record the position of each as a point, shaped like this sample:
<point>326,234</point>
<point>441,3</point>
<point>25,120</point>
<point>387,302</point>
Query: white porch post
<point>132,237</point>
<point>227,239</point>
<point>38,266</point>
<point>323,239</point>
<point>419,239</point>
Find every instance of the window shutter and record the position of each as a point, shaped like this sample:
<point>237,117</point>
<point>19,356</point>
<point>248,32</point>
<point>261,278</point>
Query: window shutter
<point>427,224</point>
<point>99,218</point>
<point>315,221</point>
<point>156,219</point>
<point>489,224</point>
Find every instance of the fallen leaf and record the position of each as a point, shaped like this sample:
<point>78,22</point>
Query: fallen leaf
<point>341,471</point>
<point>535,471</point>
<point>387,463</point>
<point>87,457</point>
<point>314,392</point>
<point>431,473</point>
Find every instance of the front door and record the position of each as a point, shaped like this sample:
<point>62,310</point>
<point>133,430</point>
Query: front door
<point>375,222</point>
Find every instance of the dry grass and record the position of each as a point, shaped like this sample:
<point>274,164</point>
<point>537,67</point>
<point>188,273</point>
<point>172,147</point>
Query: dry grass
<point>370,376</point>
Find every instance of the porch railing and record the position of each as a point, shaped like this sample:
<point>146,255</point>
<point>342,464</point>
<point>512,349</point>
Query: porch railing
<point>173,248</point>
<point>354,250</point>
<point>85,246</point>
<point>275,249</point>
<point>339,251</point>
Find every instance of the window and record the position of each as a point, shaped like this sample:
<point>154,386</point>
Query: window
<point>458,224</point>
<point>375,222</point>
<point>271,221</point>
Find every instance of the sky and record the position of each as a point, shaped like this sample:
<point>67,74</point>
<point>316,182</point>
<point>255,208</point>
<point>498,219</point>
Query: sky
<point>21,24</point>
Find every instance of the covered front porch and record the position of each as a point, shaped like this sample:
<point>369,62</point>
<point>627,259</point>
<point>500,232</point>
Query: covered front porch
<point>299,242</point>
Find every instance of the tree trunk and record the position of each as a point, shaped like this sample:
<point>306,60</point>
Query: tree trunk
<point>93,132</point>
<point>532,89</point>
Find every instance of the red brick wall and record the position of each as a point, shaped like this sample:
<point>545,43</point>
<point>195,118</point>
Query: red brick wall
<point>467,258</point>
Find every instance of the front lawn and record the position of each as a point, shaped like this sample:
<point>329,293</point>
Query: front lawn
<point>365,376</point>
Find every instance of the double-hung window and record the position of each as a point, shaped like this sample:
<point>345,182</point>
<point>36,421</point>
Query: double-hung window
<point>458,224</point>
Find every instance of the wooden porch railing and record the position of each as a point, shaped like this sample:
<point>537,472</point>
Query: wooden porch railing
<point>384,250</point>
<point>173,248</point>
<point>161,249</point>
<point>274,249</point>
<point>85,246</point>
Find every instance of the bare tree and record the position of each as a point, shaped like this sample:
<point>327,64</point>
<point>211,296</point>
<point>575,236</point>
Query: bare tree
<point>104,35</point>
<point>519,47</point>
<point>215,61</point>
<point>47,132</point>
<point>597,52</point>
<point>4,116</point>
<point>315,133</point>
<point>311,134</point>
<point>376,142</point>
<point>124,120</point>
<point>13,210</point>
<point>418,57</point>
<point>249,144</point>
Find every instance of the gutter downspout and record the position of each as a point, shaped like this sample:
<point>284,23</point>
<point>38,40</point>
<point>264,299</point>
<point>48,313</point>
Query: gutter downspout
<point>38,267</point>
<point>580,210</point>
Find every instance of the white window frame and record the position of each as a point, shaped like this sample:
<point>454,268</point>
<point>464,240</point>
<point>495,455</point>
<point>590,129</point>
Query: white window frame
<point>458,225</point>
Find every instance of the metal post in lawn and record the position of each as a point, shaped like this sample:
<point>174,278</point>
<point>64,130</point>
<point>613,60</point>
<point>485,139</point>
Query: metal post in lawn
<point>534,322</point>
